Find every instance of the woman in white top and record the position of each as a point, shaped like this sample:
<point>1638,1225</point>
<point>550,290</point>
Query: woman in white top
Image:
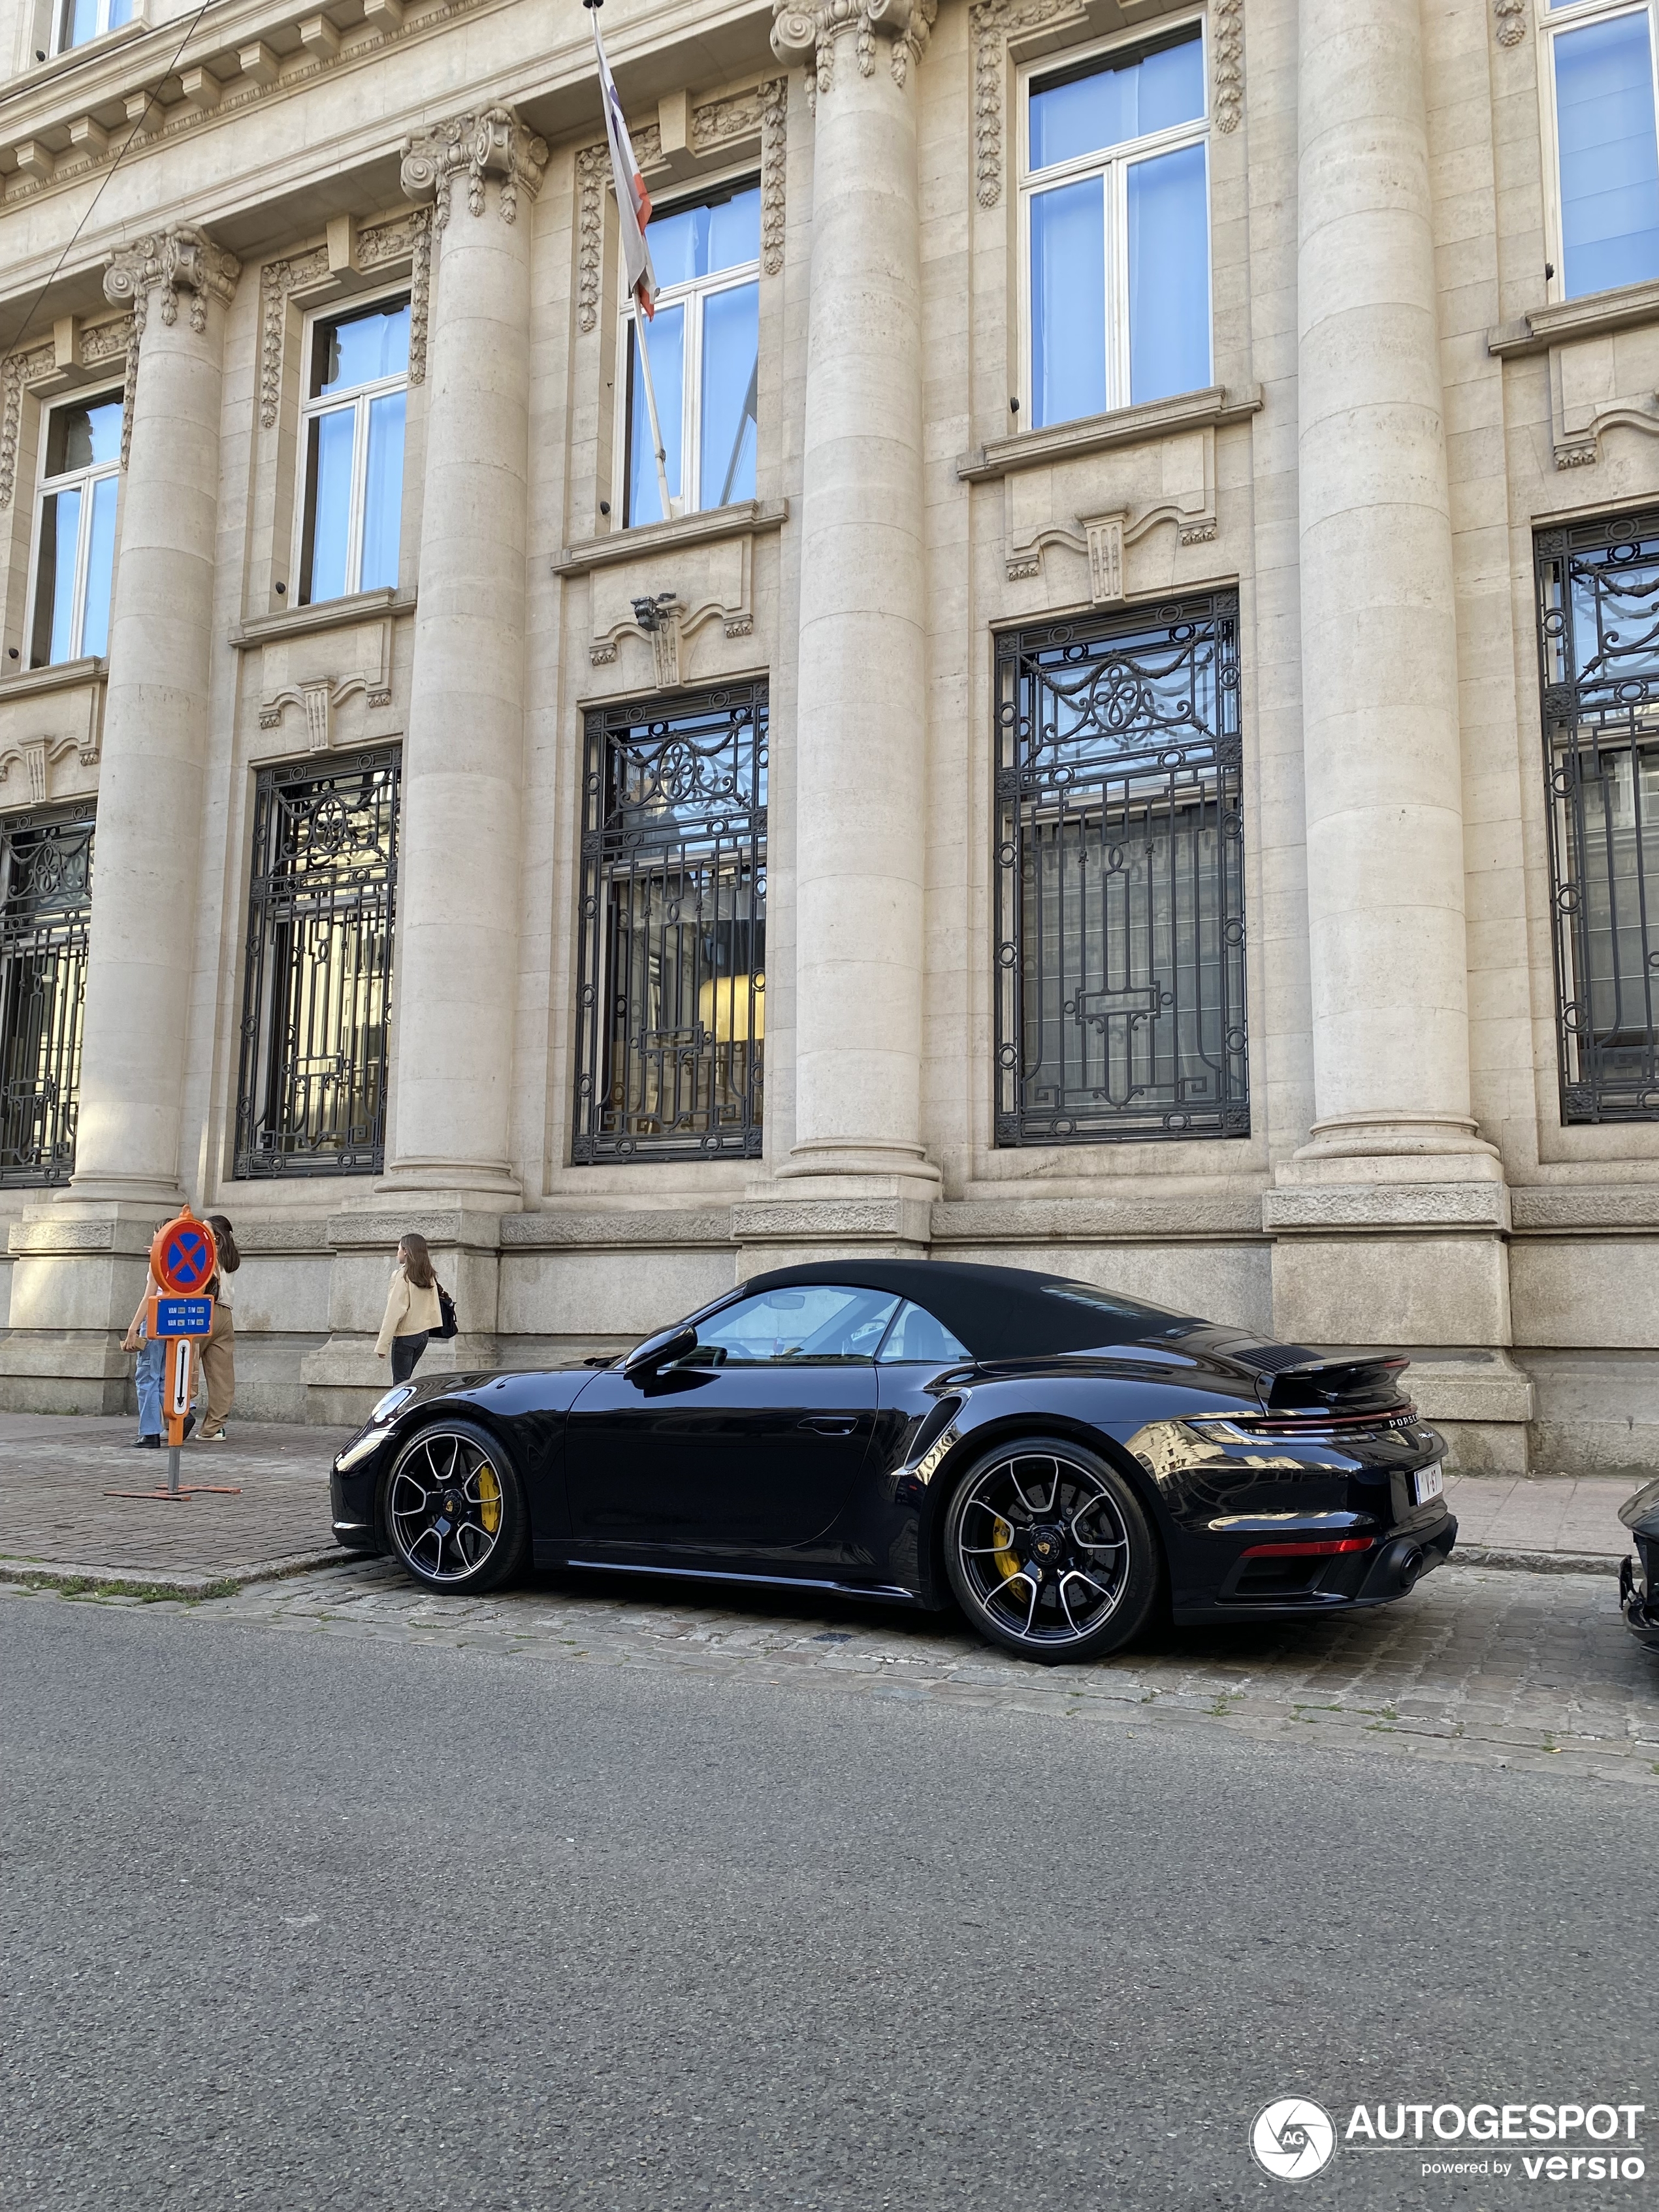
<point>412,1311</point>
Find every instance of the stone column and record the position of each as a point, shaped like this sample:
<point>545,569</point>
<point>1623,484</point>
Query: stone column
<point>861,689</point>
<point>448,1172</point>
<point>1390,1219</point>
<point>79,1254</point>
<point>143,940</point>
<point>458,870</point>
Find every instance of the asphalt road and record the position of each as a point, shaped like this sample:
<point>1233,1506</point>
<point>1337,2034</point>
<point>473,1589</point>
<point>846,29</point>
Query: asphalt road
<point>290,1922</point>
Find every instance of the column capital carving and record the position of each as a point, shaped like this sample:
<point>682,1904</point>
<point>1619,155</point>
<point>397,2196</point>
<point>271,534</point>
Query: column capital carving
<point>487,141</point>
<point>806,31</point>
<point>170,262</point>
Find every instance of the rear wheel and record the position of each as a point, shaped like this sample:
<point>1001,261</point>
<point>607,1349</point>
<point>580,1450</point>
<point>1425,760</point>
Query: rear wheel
<point>1050,1552</point>
<point>455,1509</point>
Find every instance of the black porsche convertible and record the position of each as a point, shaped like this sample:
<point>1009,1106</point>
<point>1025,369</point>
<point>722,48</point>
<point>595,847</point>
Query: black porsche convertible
<point>1058,1460</point>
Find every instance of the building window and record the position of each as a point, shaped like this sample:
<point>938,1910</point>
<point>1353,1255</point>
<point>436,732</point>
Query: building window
<point>1115,220</point>
<point>46,899</point>
<point>352,452</point>
<point>74,532</point>
<point>1121,872</point>
<point>1600,76</point>
<point>704,345</point>
<point>75,22</point>
<point>1598,586</point>
<point>671,995</point>
<point>312,1096</point>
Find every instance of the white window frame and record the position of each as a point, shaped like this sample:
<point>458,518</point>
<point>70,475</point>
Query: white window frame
<point>1550,23</point>
<point>1113,165</point>
<point>359,398</point>
<point>60,10</point>
<point>82,480</point>
<point>696,289</point>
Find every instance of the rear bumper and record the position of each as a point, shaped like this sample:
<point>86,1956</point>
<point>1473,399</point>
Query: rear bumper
<point>1345,1585</point>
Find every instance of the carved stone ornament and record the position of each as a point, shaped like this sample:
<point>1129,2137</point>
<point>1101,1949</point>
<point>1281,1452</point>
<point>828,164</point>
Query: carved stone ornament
<point>98,343</point>
<point>36,755</point>
<point>491,142</point>
<point>320,693</point>
<point>1227,50</point>
<point>1511,19</point>
<point>808,32</point>
<point>762,109</point>
<point>168,263</point>
<point>408,234</point>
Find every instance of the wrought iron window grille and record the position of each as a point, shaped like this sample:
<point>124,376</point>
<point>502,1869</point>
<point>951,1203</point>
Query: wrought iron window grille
<point>671,955</point>
<point>317,997</point>
<point>45,904</point>
<point>1598,641</point>
<point>1120,878</point>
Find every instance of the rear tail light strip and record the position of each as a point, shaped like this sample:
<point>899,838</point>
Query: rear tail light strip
<point>1322,1549</point>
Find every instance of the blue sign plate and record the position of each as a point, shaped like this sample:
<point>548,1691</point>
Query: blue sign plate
<point>184,1316</point>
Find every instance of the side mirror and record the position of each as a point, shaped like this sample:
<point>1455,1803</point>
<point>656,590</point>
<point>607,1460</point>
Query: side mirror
<point>660,1351</point>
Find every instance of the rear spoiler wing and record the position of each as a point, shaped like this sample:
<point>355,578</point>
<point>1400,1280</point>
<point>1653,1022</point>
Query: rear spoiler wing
<point>1367,1382</point>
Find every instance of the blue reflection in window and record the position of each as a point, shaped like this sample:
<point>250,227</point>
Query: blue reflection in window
<point>1117,102</point>
<point>361,349</point>
<point>100,568</point>
<point>1068,302</point>
<point>1609,165</point>
<point>730,354</point>
<point>383,492</point>
<point>1169,275</point>
<point>329,498</point>
<point>667,341</point>
<point>60,534</point>
<point>700,242</point>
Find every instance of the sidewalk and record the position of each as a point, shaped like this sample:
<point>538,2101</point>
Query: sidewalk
<point>56,1524</point>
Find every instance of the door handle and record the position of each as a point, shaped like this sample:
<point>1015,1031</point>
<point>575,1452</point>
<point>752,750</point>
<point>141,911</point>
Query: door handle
<point>830,1424</point>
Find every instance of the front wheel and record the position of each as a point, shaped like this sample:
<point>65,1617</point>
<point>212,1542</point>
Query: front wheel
<point>455,1509</point>
<point>1050,1552</point>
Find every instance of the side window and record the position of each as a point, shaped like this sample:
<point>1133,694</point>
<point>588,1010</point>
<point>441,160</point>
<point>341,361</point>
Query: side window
<point>820,1324</point>
<point>352,452</point>
<point>74,532</point>
<point>916,1336</point>
<point>75,22</point>
<point>704,348</point>
<point>1115,207</point>
<point>1607,153</point>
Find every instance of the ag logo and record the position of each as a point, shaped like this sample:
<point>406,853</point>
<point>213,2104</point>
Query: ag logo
<point>1294,2139</point>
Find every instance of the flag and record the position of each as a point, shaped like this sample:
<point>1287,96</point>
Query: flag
<point>632,201</point>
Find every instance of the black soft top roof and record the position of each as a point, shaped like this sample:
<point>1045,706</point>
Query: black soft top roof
<point>998,1313</point>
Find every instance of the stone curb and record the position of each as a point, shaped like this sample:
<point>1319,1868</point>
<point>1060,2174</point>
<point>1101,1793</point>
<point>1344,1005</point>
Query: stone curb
<point>1536,1563</point>
<point>129,1581</point>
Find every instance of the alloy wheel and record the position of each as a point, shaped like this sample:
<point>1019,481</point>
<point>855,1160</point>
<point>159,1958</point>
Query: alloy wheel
<point>444,1507</point>
<point>1042,1548</point>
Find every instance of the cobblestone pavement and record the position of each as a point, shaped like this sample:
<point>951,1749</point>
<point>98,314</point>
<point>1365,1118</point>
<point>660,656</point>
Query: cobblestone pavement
<point>1497,1669</point>
<point>55,1470</point>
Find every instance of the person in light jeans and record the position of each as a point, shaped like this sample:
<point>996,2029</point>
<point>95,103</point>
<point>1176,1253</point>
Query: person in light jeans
<point>150,1371</point>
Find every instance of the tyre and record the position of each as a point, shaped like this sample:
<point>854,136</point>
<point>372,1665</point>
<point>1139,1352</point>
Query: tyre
<point>454,1509</point>
<point>1049,1552</point>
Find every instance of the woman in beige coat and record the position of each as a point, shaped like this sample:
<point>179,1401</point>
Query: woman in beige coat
<point>412,1311</point>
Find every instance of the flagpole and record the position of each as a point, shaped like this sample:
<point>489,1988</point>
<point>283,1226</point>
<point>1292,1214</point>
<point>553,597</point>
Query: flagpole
<point>669,504</point>
<point>641,315</point>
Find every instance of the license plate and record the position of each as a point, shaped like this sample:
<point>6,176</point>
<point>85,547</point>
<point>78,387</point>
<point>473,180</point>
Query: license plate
<point>1428,1482</point>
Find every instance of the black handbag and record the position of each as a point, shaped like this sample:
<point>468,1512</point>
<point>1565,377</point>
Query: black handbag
<point>447,1324</point>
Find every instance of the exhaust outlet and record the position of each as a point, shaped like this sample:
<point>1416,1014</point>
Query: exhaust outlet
<point>1409,1568</point>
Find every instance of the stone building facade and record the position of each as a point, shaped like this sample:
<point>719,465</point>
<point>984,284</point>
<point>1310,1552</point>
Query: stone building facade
<point>1128,750</point>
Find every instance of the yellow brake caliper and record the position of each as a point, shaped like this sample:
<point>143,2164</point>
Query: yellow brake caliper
<point>489,1498</point>
<point>1007,1563</point>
